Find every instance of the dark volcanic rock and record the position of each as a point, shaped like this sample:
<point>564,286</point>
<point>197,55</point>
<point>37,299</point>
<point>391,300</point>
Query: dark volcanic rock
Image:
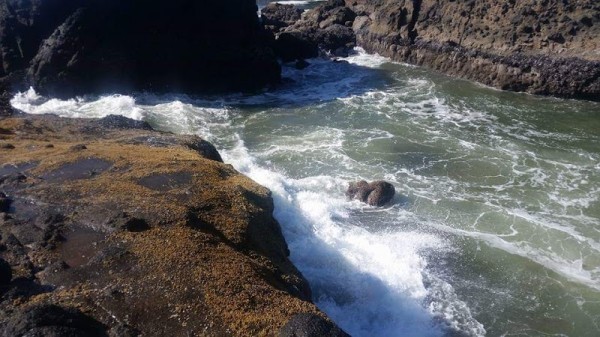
<point>280,16</point>
<point>121,122</point>
<point>83,46</point>
<point>536,47</point>
<point>5,96</point>
<point>4,202</point>
<point>324,29</point>
<point>52,321</point>
<point>377,193</point>
<point>24,25</point>
<point>5,273</point>
<point>310,325</point>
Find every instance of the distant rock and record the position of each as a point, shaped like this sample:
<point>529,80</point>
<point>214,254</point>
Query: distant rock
<point>536,47</point>
<point>377,193</point>
<point>325,29</point>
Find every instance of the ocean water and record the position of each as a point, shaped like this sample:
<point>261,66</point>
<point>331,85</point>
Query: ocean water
<point>495,228</point>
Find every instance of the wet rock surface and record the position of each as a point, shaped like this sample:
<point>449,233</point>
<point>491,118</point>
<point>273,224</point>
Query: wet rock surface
<point>52,321</point>
<point>310,325</point>
<point>142,232</point>
<point>376,193</point>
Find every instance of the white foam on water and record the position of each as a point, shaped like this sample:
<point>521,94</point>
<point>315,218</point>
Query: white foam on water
<point>371,284</point>
<point>361,58</point>
<point>32,103</point>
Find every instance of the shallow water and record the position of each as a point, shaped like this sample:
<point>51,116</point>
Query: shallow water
<point>495,229</point>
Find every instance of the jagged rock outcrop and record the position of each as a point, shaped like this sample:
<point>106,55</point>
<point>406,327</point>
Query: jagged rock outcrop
<point>542,47</point>
<point>325,29</point>
<point>24,25</point>
<point>83,46</point>
<point>275,16</point>
<point>145,233</point>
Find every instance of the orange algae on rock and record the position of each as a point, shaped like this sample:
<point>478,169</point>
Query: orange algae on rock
<point>159,239</point>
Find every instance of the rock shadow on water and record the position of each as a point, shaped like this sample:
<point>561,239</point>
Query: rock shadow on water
<point>324,80</point>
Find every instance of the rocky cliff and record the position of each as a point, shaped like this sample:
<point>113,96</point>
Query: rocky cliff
<point>72,47</point>
<point>548,47</point>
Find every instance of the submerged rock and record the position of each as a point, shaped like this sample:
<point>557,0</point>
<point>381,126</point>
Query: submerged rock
<point>377,193</point>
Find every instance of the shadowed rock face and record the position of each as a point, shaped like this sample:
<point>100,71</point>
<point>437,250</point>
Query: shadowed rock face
<point>83,46</point>
<point>325,29</point>
<point>140,231</point>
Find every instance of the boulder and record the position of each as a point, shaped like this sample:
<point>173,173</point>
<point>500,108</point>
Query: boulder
<point>377,193</point>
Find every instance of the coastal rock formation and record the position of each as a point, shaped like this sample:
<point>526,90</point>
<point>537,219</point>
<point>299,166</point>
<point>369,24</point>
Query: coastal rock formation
<point>142,232</point>
<point>377,193</point>
<point>325,29</point>
<point>276,16</point>
<point>75,47</point>
<point>541,47</point>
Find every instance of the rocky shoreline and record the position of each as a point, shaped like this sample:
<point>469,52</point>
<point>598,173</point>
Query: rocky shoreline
<point>546,49</point>
<point>109,228</point>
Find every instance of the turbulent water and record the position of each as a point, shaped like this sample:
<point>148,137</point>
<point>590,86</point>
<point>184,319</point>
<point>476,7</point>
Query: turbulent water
<point>496,227</point>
